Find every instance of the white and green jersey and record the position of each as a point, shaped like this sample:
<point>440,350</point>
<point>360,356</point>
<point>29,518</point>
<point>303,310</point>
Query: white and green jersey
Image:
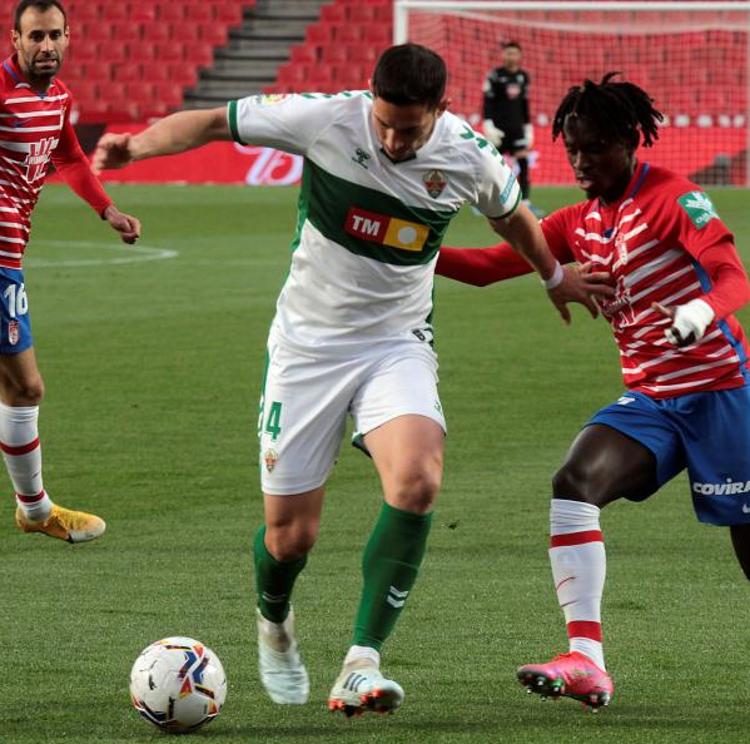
<point>369,229</point>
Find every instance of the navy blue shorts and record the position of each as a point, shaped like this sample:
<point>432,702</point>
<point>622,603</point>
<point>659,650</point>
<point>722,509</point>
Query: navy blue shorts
<point>707,433</point>
<point>15,321</point>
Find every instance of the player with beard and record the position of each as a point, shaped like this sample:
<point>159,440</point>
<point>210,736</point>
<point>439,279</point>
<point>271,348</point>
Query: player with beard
<point>35,129</point>
<point>678,281</point>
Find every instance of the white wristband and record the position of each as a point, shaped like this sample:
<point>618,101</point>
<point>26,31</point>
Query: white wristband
<point>556,279</point>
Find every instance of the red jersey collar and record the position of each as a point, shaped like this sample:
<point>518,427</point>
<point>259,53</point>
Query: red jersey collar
<point>10,65</point>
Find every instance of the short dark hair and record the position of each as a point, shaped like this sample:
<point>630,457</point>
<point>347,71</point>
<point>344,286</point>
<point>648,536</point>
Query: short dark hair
<point>511,45</point>
<point>616,110</point>
<point>410,74</point>
<point>41,5</point>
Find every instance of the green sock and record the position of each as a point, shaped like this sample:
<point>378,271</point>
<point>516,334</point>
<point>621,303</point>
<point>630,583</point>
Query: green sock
<point>390,564</point>
<point>274,580</point>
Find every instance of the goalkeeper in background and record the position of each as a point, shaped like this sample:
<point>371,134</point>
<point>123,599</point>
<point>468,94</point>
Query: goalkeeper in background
<point>507,122</point>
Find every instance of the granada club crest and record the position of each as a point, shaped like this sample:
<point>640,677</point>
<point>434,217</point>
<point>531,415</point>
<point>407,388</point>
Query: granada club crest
<point>270,457</point>
<point>621,246</point>
<point>435,183</point>
<point>13,332</point>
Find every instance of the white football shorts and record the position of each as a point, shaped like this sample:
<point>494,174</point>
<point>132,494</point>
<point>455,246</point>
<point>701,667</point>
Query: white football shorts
<point>306,398</point>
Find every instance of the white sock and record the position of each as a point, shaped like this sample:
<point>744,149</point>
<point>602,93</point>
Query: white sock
<point>19,442</point>
<point>359,653</point>
<point>579,568</point>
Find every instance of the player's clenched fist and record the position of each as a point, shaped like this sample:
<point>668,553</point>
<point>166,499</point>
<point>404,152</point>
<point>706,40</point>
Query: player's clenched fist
<point>112,151</point>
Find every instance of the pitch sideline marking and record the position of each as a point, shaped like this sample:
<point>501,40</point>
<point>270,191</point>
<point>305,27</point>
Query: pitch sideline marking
<point>143,253</point>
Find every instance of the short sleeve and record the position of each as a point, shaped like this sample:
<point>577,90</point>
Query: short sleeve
<point>498,192</point>
<point>286,122</point>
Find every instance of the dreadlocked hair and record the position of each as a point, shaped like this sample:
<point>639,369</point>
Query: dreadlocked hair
<point>617,110</point>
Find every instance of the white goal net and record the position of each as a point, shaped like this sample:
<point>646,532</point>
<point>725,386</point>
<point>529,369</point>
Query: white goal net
<point>691,57</point>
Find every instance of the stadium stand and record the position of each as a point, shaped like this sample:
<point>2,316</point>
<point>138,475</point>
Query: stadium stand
<point>132,60</point>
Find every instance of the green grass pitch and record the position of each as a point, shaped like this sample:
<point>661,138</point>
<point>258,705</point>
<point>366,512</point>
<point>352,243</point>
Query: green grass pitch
<point>152,368</point>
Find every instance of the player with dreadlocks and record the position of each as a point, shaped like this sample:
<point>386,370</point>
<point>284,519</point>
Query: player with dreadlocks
<point>678,280</point>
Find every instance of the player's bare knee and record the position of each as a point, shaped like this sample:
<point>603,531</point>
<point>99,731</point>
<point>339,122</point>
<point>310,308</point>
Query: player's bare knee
<point>577,484</point>
<point>24,392</point>
<point>416,491</point>
<point>287,542</point>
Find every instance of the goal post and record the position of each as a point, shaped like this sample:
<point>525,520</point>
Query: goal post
<point>690,56</point>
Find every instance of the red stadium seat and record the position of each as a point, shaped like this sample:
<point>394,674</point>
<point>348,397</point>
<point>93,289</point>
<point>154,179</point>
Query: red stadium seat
<point>114,12</point>
<point>169,93</point>
<point>303,55</point>
<point>229,15</point>
<point>143,12</point>
<point>361,14</point>
<point>171,12</point>
<point>170,51</point>
<point>85,90</point>
<point>319,34</point>
<point>179,72</point>
<point>348,34</point>
<point>335,54</point>
<point>127,73</point>
<point>200,54</point>
<point>199,13</point>
<point>126,31</point>
<point>379,35</point>
<point>156,32</point>
<point>141,51</point>
<point>214,34</point>
<point>332,14</point>
<point>185,31</point>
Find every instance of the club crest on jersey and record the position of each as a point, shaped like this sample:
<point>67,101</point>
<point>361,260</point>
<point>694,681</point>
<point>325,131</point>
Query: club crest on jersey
<point>435,183</point>
<point>13,332</point>
<point>270,457</point>
<point>621,246</point>
<point>38,157</point>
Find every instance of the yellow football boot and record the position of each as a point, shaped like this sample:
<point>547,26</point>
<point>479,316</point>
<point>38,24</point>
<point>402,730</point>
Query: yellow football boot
<point>64,524</point>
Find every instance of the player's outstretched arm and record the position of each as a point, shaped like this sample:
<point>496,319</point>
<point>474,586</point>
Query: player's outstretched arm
<point>563,285</point>
<point>176,133</point>
<point>73,165</point>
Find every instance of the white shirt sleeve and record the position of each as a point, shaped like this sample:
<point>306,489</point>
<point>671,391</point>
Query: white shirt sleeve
<point>285,122</point>
<point>498,192</point>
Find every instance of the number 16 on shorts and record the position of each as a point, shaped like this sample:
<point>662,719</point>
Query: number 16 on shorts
<point>16,326</point>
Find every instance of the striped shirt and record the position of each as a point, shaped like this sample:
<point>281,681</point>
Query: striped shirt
<point>31,126</point>
<point>651,242</point>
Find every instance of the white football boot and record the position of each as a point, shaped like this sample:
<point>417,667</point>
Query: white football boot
<point>361,687</point>
<point>281,669</point>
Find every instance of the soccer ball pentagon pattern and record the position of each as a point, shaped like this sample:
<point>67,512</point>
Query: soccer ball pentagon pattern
<point>178,684</point>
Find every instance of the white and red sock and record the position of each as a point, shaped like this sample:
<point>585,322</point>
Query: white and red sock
<point>19,442</point>
<point>579,567</point>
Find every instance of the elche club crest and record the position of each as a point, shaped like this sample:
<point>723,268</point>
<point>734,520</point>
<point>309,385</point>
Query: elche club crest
<point>270,457</point>
<point>435,183</point>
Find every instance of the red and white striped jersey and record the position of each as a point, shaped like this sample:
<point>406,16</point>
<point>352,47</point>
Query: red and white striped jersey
<point>651,242</point>
<point>31,127</point>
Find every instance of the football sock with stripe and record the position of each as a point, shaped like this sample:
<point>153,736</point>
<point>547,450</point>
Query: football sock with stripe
<point>579,566</point>
<point>22,452</point>
<point>274,579</point>
<point>390,564</point>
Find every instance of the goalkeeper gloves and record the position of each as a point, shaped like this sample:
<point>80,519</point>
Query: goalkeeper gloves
<point>492,133</point>
<point>689,323</point>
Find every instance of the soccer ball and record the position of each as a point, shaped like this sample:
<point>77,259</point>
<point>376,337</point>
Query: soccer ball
<point>178,684</point>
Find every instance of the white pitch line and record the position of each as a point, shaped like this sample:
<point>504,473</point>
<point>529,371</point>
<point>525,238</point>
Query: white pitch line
<point>142,253</point>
